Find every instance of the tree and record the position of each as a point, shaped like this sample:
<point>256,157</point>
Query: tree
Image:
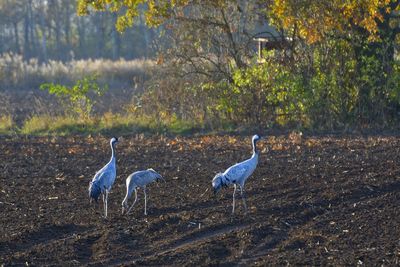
<point>11,13</point>
<point>314,20</point>
<point>50,30</point>
<point>343,50</point>
<point>209,37</point>
<point>370,27</point>
<point>156,13</point>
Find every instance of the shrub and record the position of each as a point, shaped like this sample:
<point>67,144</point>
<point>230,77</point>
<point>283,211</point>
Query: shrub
<point>77,99</point>
<point>6,124</point>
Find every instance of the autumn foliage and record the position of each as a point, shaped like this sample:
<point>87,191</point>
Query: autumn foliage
<point>313,20</point>
<point>338,68</point>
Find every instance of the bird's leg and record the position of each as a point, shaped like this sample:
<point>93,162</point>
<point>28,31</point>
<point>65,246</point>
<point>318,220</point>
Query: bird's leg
<point>233,202</point>
<point>145,201</point>
<point>106,202</point>
<point>133,202</point>
<point>244,198</point>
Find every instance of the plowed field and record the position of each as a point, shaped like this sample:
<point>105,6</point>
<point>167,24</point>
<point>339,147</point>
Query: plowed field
<point>312,201</point>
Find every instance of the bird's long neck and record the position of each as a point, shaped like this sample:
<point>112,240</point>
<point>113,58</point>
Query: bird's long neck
<point>255,150</point>
<point>112,154</point>
<point>126,198</point>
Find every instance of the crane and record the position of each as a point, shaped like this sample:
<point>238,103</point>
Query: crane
<point>104,178</point>
<point>238,174</point>
<point>137,180</point>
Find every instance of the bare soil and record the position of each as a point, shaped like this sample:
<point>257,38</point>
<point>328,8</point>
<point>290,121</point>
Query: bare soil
<point>312,201</point>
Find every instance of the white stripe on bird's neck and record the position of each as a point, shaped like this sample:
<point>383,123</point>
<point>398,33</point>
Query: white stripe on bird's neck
<point>254,147</point>
<point>112,153</point>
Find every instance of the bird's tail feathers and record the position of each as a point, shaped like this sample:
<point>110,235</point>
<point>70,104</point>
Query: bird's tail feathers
<point>94,191</point>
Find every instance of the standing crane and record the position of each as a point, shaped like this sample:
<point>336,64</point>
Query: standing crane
<point>137,180</point>
<point>238,174</point>
<point>104,178</point>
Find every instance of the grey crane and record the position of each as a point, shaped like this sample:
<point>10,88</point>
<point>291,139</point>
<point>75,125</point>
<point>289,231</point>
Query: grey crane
<point>137,180</point>
<point>238,174</point>
<point>104,178</point>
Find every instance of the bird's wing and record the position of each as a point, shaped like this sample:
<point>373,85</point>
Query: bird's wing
<point>142,178</point>
<point>104,178</point>
<point>236,172</point>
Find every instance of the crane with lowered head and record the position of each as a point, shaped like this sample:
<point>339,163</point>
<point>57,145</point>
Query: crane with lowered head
<point>139,179</point>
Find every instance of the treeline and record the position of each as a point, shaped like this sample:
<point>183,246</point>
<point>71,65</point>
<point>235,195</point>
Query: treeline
<point>52,30</point>
<point>327,65</point>
<point>337,66</point>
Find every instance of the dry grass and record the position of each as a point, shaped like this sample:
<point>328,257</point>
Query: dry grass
<point>15,73</point>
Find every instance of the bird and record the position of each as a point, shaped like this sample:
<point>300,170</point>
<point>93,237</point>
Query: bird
<point>238,174</point>
<point>137,180</point>
<point>104,178</point>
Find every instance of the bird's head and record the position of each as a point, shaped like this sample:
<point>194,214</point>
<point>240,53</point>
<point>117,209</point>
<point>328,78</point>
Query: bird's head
<point>255,138</point>
<point>217,182</point>
<point>157,176</point>
<point>114,141</point>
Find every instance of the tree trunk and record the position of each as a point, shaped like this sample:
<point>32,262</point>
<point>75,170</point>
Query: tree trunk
<point>67,29</point>
<point>27,45</point>
<point>56,15</point>
<point>81,33</point>
<point>145,34</point>
<point>100,29</point>
<point>32,29</point>
<point>116,45</point>
<point>16,37</point>
<point>44,41</point>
